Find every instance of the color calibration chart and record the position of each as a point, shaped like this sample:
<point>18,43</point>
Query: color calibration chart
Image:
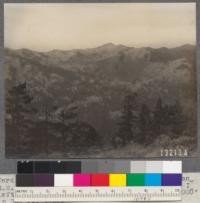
<point>70,181</point>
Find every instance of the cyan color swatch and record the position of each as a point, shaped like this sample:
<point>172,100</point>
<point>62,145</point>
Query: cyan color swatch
<point>153,179</point>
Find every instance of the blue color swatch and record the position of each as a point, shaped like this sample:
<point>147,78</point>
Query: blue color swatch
<point>153,179</point>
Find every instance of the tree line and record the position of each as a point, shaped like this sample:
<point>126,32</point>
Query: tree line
<point>27,132</point>
<point>144,125</point>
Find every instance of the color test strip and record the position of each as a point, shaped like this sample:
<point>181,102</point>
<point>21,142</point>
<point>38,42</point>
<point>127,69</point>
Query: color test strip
<point>174,167</point>
<point>25,167</point>
<point>99,166</point>
<point>171,179</point>
<point>43,180</point>
<point>36,180</point>
<point>154,167</point>
<point>63,180</point>
<point>153,179</point>
<point>81,180</point>
<point>117,180</point>
<point>89,166</point>
<point>135,179</point>
<point>106,180</point>
<point>100,180</point>
<point>24,180</point>
<point>121,167</point>
<point>42,167</point>
<point>51,167</point>
<point>137,167</point>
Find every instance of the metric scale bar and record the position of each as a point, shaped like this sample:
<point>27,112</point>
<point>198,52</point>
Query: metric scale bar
<point>72,194</point>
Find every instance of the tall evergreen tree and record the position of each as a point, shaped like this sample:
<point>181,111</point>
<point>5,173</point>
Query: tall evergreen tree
<point>128,120</point>
<point>68,119</point>
<point>178,119</point>
<point>144,125</point>
<point>158,117</point>
<point>20,113</point>
<point>47,107</point>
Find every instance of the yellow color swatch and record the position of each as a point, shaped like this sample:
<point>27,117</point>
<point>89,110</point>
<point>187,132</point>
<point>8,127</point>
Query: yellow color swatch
<point>117,180</point>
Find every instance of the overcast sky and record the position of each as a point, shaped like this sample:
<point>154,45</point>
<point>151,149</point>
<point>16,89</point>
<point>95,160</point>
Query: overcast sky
<point>44,27</point>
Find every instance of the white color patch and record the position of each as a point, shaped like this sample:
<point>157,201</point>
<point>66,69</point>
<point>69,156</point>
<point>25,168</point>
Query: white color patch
<point>172,167</point>
<point>61,180</point>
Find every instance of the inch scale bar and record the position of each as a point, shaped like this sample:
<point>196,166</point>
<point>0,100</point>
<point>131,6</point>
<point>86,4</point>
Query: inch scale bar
<point>72,194</point>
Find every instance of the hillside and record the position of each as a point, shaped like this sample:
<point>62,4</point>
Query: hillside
<point>97,80</point>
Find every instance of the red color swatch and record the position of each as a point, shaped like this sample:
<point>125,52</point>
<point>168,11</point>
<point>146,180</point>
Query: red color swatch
<point>100,180</point>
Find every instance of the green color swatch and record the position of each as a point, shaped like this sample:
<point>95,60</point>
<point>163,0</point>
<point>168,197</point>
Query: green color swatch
<point>137,179</point>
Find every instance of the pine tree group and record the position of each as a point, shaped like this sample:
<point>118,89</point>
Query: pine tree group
<point>60,126</point>
<point>143,126</point>
<point>24,128</point>
<point>20,113</point>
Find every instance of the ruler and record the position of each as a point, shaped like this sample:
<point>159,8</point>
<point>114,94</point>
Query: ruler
<point>72,194</point>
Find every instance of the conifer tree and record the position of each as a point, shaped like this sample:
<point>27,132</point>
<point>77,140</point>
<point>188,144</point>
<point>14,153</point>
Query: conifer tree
<point>144,125</point>
<point>20,113</point>
<point>158,118</point>
<point>127,120</point>
<point>178,119</point>
<point>68,119</point>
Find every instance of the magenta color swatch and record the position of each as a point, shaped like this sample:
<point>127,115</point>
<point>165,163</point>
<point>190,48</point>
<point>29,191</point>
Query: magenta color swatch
<point>82,180</point>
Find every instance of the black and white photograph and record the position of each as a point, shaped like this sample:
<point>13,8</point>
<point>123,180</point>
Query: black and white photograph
<point>100,80</point>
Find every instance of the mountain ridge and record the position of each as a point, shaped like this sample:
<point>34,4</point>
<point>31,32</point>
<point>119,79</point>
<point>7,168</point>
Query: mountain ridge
<point>103,45</point>
<point>127,66</point>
